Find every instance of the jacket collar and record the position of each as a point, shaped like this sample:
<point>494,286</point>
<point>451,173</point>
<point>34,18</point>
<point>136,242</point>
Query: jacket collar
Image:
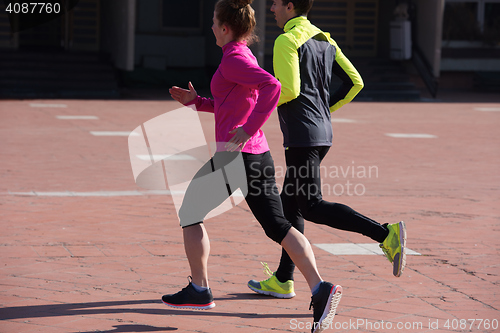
<point>293,22</point>
<point>233,44</point>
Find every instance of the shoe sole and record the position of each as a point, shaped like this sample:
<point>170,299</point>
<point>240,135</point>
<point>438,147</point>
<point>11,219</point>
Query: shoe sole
<point>272,293</point>
<point>329,312</point>
<point>191,306</point>
<point>400,260</point>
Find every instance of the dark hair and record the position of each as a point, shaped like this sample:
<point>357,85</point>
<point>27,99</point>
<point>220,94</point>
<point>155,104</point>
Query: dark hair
<point>302,7</point>
<point>239,16</point>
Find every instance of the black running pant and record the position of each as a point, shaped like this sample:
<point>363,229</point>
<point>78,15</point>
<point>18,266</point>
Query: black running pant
<point>263,196</point>
<point>302,199</point>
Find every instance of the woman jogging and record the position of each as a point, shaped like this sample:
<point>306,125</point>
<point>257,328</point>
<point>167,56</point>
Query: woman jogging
<point>244,97</point>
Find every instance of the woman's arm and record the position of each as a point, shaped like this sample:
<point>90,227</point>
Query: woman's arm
<point>242,71</point>
<point>189,97</point>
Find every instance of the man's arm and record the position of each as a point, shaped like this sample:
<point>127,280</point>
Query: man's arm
<point>352,83</point>
<point>286,68</point>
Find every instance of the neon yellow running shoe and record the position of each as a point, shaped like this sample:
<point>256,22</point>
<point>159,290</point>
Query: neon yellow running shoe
<point>394,247</point>
<point>272,286</point>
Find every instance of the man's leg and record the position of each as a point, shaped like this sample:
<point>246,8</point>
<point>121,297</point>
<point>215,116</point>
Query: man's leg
<point>310,201</point>
<point>291,211</point>
<point>301,196</point>
<point>265,203</point>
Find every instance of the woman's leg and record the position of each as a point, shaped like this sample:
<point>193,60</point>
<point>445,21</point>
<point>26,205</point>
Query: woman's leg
<point>206,191</point>
<point>197,247</point>
<point>300,251</point>
<point>265,203</point>
<point>197,295</point>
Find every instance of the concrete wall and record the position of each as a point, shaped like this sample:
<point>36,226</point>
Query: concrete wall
<point>429,27</point>
<point>118,30</point>
<point>7,39</point>
<point>385,16</point>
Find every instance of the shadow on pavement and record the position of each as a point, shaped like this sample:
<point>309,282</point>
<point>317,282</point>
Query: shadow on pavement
<point>83,309</point>
<point>136,328</point>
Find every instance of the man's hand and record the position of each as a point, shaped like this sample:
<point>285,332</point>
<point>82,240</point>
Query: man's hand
<point>240,138</point>
<point>183,96</point>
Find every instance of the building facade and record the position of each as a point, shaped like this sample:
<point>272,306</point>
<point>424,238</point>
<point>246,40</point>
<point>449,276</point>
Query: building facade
<point>446,35</point>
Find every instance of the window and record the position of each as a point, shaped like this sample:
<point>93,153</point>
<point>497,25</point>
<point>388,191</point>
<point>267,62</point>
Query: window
<point>469,22</point>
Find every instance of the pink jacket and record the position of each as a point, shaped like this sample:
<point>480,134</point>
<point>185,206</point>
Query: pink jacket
<point>244,95</point>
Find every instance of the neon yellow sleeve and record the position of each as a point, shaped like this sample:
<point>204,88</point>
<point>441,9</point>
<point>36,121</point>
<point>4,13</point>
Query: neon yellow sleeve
<point>353,74</point>
<point>286,68</point>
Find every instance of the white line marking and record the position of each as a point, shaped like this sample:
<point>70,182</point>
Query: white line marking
<point>357,249</point>
<point>77,117</point>
<point>343,120</point>
<point>113,133</point>
<point>40,105</point>
<point>236,193</point>
<point>180,157</point>
<point>487,109</point>
<point>411,136</point>
<point>91,194</point>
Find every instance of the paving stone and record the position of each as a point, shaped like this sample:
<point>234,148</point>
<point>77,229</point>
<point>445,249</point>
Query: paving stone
<point>101,263</point>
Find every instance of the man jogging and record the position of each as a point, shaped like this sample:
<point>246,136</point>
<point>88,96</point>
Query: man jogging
<point>304,60</point>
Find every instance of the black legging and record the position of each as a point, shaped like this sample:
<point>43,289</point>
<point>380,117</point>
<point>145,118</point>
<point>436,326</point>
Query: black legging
<point>302,199</point>
<point>218,179</point>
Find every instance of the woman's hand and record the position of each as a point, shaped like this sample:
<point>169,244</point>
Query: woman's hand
<point>183,96</point>
<point>240,138</point>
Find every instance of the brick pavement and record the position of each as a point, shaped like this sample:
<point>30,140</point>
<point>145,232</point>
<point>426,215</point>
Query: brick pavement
<point>81,262</point>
